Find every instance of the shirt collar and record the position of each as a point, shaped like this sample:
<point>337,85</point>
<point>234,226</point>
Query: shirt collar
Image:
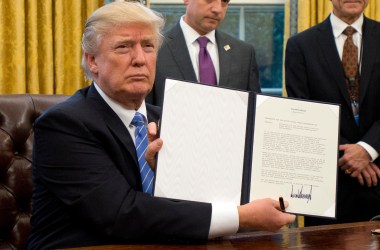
<point>191,35</point>
<point>126,115</point>
<point>339,26</point>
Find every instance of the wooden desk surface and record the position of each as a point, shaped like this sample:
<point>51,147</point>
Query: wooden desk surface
<point>351,236</point>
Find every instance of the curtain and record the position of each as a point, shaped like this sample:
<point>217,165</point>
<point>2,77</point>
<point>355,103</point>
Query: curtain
<point>40,45</point>
<point>286,37</point>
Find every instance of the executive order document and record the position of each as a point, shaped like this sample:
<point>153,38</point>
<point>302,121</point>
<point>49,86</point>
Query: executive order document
<point>225,145</point>
<point>295,152</point>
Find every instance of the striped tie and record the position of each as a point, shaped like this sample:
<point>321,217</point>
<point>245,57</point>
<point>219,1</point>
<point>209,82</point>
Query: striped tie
<point>146,173</point>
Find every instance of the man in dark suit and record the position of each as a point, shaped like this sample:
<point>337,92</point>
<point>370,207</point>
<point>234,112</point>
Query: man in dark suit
<point>314,70</point>
<point>234,60</point>
<point>89,186</point>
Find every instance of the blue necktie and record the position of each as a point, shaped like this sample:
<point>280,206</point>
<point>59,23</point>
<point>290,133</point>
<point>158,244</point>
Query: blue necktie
<point>141,136</point>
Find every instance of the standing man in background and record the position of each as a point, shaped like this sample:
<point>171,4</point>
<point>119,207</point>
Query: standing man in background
<point>338,61</point>
<point>234,61</point>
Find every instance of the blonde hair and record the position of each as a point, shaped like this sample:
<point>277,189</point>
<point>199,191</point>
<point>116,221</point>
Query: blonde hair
<point>112,15</point>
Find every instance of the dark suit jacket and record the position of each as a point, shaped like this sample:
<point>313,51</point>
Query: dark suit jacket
<point>238,67</point>
<point>87,182</point>
<point>314,71</point>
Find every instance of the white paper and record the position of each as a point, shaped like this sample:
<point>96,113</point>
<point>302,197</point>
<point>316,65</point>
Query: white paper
<point>295,154</point>
<point>204,130</point>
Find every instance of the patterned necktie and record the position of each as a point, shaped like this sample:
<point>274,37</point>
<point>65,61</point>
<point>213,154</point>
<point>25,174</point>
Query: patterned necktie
<point>350,66</point>
<point>141,136</point>
<point>206,67</point>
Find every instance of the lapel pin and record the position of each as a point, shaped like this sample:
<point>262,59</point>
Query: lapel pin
<point>227,47</point>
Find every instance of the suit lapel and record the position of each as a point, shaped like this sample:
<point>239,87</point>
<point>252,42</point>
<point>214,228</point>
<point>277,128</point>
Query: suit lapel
<point>178,48</point>
<point>327,46</point>
<point>113,122</point>
<point>370,44</point>
<point>224,50</point>
<point>118,128</point>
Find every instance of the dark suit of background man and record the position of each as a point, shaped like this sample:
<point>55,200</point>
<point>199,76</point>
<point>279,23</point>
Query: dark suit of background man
<point>234,60</point>
<point>314,71</point>
<point>86,176</point>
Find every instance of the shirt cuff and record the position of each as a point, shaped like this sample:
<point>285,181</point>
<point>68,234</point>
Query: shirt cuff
<point>370,150</point>
<point>224,220</point>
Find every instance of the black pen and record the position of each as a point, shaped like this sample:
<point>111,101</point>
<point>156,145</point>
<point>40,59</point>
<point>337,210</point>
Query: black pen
<point>282,204</point>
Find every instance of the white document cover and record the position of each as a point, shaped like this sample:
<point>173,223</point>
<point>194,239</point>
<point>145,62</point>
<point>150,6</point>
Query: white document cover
<point>204,131</point>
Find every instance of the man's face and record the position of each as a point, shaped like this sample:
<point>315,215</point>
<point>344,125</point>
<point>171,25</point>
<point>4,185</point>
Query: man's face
<point>349,10</point>
<point>205,15</point>
<point>125,63</point>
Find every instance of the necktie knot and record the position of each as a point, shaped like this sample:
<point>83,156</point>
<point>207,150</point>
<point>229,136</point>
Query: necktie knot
<point>138,120</point>
<point>202,40</point>
<point>349,31</point>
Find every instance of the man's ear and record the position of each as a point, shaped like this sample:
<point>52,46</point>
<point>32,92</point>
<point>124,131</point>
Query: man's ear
<point>91,63</point>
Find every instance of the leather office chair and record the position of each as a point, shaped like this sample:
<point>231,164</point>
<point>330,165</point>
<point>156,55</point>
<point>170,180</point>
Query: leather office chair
<point>17,115</point>
<point>377,217</point>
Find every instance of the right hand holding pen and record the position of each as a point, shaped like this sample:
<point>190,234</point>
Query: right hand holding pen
<point>264,214</point>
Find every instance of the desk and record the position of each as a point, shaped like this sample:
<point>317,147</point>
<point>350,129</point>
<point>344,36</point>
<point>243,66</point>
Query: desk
<point>350,236</point>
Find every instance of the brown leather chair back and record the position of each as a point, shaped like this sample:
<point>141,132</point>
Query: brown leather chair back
<point>17,115</point>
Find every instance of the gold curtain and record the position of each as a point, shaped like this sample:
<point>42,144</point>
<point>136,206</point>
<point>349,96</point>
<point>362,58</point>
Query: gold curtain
<point>286,37</point>
<point>40,50</point>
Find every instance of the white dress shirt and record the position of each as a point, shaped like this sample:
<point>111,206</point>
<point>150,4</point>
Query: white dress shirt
<point>192,44</point>
<point>339,26</point>
<point>126,115</point>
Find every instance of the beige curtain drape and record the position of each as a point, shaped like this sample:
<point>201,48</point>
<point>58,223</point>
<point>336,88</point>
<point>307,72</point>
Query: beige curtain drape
<point>40,49</point>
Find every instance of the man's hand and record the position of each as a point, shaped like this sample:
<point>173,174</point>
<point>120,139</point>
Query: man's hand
<point>356,162</point>
<point>155,145</point>
<point>264,214</point>
<point>370,175</point>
